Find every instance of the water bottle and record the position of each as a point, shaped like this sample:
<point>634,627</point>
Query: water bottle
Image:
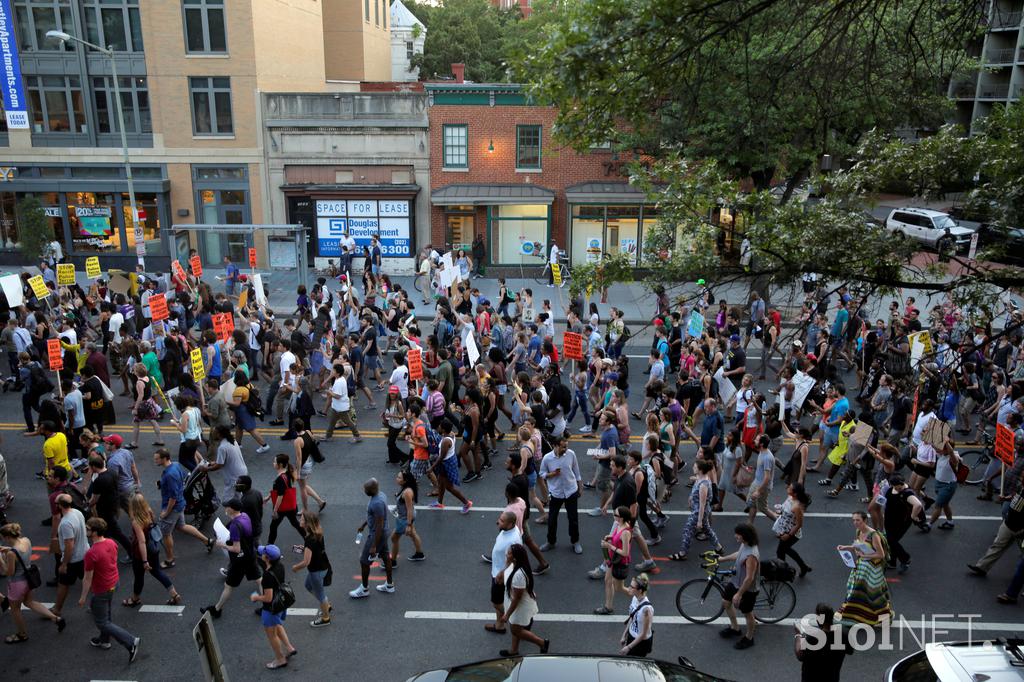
<point>359,538</point>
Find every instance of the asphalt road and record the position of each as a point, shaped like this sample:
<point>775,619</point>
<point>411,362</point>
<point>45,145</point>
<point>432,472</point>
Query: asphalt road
<point>436,617</point>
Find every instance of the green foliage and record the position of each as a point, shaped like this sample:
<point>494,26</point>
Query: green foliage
<point>611,269</point>
<point>34,232</point>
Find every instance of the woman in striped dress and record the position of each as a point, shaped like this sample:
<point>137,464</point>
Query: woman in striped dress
<point>867,594</point>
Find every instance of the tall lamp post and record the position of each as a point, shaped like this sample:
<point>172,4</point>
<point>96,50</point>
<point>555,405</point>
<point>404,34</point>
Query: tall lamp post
<point>140,243</point>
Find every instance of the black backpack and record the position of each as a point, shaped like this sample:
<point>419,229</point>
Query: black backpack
<point>253,403</point>
<point>78,500</point>
<point>40,381</point>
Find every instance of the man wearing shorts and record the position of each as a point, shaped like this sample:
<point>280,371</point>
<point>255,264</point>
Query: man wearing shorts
<point>242,562</point>
<point>376,540</point>
<point>172,505</point>
<point>508,535</point>
<point>72,539</point>
<point>764,477</point>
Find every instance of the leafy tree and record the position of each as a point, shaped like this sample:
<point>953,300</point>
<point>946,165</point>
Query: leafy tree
<point>469,32</point>
<point>34,232</point>
<point>590,277</point>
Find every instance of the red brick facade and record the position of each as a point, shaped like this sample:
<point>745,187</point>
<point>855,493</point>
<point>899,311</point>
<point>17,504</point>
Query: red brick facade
<point>496,125</point>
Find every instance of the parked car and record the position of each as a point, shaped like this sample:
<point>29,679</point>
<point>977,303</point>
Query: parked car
<point>563,668</point>
<point>1008,242</point>
<point>996,659</point>
<point>934,229</point>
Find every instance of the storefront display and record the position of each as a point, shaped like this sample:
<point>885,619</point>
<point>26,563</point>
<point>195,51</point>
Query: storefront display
<point>513,225</point>
<point>598,230</point>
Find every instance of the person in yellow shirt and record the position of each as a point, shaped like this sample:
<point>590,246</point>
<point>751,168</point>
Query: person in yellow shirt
<point>55,447</point>
<point>837,457</point>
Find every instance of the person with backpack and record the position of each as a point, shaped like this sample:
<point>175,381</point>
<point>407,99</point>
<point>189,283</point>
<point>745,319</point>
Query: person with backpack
<point>245,400</point>
<point>307,453</point>
<point>282,497</point>
<point>340,405</point>
<point>275,596</point>
<point>35,384</point>
<point>146,537</point>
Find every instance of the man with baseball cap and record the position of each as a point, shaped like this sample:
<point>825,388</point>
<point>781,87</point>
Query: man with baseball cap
<point>241,552</point>
<point>122,462</point>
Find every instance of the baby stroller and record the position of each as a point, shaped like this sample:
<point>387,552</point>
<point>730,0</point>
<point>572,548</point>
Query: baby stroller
<point>199,498</point>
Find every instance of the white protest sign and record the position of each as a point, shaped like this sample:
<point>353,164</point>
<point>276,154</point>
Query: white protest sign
<point>782,406</point>
<point>257,284</point>
<point>472,350</point>
<point>802,385</point>
<point>725,388</point>
<point>11,285</point>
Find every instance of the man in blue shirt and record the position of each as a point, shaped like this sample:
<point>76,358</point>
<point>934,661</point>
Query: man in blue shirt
<point>712,431</point>
<point>172,505</point>
<point>840,407</point>
<point>230,275</point>
<point>663,347</point>
<point>376,541</point>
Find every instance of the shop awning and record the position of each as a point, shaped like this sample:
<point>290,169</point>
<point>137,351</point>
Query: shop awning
<point>605,193</point>
<point>491,195</point>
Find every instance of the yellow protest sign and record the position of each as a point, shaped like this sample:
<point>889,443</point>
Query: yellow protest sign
<point>556,273</point>
<point>65,274</point>
<point>243,298</point>
<point>92,267</point>
<point>39,287</point>
<point>924,338</point>
<point>198,369</point>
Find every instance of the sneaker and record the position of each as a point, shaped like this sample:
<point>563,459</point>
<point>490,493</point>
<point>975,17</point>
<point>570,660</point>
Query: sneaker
<point>646,565</point>
<point>596,511</point>
<point>486,559</point>
<point>661,522</point>
<point>728,632</point>
<point>976,570</point>
<point>95,641</point>
<point>359,593</point>
<point>262,449</point>
<point>946,525</point>
<point>213,611</point>
<point>743,643</point>
<point>320,622</point>
<point>851,486</point>
<point>418,556</point>
<point>596,574</point>
<point>355,440</point>
<point>577,548</point>
<point>224,572</point>
<point>903,568</point>
<point>466,507</point>
<point>487,466</point>
<point>547,546</point>
<point>386,587</point>
<point>134,650</point>
<point>656,540</point>
<point>436,505</point>
<point>586,429</point>
<point>825,481</point>
<point>541,570</point>
<point>471,476</point>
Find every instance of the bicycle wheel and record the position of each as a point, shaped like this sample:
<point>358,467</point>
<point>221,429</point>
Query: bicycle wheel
<point>775,601</point>
<point>977,461</point>
<point>419,282</point>
<point>542,277</point>
<point>699,600</point>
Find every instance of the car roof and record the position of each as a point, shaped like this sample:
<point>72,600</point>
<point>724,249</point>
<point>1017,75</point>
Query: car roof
<point>969,661</point>
<point>920,211</point>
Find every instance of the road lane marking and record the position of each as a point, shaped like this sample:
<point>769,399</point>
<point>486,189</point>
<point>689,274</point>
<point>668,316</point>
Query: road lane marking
<point>962,626</point>
<point>680,512</point>
<point>162,608</point>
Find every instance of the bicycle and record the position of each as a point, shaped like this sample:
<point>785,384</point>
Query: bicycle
<point>977,459</point>
<point>700,600</point>
<point>563,262</point>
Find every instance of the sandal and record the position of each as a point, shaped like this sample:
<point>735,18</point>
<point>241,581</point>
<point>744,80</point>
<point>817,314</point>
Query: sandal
<point>174,601</point>
<point>490,628</point>
<point>274,665</point>
<point>166,564</point>
<point>678,556</point>
<point>833,493</point>
<point>132,446</point>
<point>16,639</point>
<point>131,603</point>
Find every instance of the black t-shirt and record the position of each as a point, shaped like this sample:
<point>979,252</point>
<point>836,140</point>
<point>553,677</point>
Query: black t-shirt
<point>823,664</point>
<point>252,504</point>
<point>522,485</point>
<point>316,547</point>
<point>624,494</point>
<point>897,507</point>
<point>272,579</point>
<point>370,335</point>
<point>104,485</point>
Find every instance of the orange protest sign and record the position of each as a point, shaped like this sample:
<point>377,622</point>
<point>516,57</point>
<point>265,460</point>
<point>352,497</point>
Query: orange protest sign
<point>177,270</point>
<point>252,258</point>
<point>55,355</point>
<point>158,307</point>
<point>197,266</point>
<point>572,346</point>
<point>223,325</point>
<point>415,362</point>
<point>1004,444</point>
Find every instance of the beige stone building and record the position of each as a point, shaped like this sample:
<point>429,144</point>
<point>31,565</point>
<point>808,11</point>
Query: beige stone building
<point>191,74</point>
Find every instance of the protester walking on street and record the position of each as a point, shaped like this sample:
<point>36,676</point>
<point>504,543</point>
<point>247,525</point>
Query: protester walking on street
<point>638,636</point>
<point>508,535</point>
<point>100,580</point>
<point>741,590</point>
<point>146,537</point>
<point>16,564</point>
<point>699,520</point>
<point>616,548</point>
<point>241,548</point>
<point>561,471</point>
<point>172,505</point>
<point>318,567</point>
<point>282,497</point>
<point>519,604</point>
<point>902,507</point>
<point>789,524</point>
<point>405,516</point>
<point>1008,535</point>
<point>867,592</point>
<point>307,452</point>
<point>271,615</point>
<point>376,541</point>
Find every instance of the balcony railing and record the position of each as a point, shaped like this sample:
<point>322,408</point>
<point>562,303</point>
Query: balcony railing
<point>1002,19</point>
<point>1004,55</point>
<point>994,91</point>
<point>345,106</point>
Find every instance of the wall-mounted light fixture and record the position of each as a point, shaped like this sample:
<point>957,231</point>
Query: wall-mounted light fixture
<point>490,147</point>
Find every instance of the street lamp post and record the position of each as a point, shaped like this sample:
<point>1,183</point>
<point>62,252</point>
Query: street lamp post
<point>140,243</point>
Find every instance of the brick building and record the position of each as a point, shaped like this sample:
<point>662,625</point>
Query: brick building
<point>495,170</point>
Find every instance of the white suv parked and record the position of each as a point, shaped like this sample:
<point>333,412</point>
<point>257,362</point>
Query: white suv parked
<point>930,228</point>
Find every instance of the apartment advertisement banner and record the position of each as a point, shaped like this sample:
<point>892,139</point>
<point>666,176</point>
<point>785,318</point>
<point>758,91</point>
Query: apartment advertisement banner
<point>362,219</point>
<point>15,106</point>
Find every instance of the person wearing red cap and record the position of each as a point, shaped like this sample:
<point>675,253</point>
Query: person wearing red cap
<point>122,462</point>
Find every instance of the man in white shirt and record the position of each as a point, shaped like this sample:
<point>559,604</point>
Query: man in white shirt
<point>561,471</point>
<point>348,250</point>
<point>289,383</point>
<point>508,535</point>
<point>400,376</point>
<point>552,260</point>
<point>115,324</point>
<point>253,352</point>
<point>340,405</point>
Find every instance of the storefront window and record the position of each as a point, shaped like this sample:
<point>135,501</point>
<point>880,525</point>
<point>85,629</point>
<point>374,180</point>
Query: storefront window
<point>149,217</point>
<point>650,221</point>
<point>513,225</point>
<point>94,228</point>
<point>587,233</point>
<point>460,227</point>
<point>622,231</point>
<point>50,202</point>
